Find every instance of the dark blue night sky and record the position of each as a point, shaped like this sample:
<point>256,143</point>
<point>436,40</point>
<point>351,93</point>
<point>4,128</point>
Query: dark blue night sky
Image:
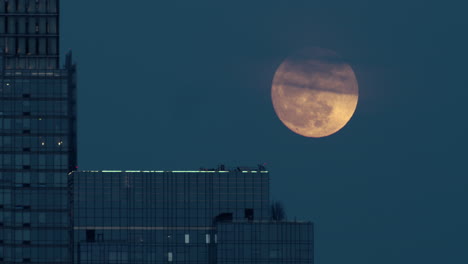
<point>186,84</point>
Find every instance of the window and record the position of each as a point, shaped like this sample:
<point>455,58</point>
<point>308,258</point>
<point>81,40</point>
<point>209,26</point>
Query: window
<point>42,178</point>
<point>169,256</point>
<point>187,238</point>
<point>249,214</point>
<point>42,218</point>
<point>26,218</point>
<point>224,217</point>
<point>207,238</point>
<point>90,235</point>
<point>118,257</point>
<point>274,254</point>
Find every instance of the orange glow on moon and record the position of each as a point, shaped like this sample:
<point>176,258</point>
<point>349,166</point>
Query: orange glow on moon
<point>314,93</point>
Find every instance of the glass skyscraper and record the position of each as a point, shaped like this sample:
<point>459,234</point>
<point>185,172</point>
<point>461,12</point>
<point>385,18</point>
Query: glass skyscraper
<point>37,135</point>
<point>206,216</point>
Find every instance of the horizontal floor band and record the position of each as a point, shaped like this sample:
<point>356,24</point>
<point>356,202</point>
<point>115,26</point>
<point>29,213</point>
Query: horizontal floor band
<point>143,228</point>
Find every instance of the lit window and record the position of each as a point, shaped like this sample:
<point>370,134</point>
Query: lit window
<point>169,256</point>
<point>187,238</point>
<point>207,238</point>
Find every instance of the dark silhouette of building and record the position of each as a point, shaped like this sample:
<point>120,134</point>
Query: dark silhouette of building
<point>37,135</point>
<point>206,216</point>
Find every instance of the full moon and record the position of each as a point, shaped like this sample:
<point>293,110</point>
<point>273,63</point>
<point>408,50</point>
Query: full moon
<point>314,92</point>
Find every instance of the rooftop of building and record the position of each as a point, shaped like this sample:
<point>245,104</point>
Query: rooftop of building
<point>220,169</point>
<point>174,171</point>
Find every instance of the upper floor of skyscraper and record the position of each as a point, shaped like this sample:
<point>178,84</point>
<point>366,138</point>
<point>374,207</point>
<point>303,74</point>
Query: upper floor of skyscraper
<point>29,34</point>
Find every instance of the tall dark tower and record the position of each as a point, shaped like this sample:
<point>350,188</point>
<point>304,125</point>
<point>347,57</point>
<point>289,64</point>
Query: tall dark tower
<point>37,135</point>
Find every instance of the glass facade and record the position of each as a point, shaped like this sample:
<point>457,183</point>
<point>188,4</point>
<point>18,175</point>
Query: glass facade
<point>179,217</point>
<point>37,135</point>
<point>264,242</point>
<point>50,213</point>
